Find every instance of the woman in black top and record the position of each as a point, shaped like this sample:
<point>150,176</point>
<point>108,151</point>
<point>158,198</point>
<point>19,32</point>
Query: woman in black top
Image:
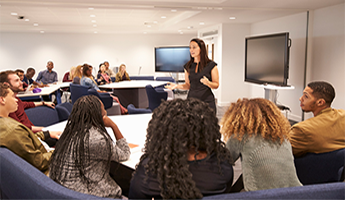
<point>184,156</point>
<point>201,74</point>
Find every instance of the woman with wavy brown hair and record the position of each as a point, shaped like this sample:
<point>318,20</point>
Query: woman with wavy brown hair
<point>257,131</point>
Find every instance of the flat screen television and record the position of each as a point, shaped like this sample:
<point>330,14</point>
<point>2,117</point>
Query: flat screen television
<point>171,59</point>
<point>267,59</point>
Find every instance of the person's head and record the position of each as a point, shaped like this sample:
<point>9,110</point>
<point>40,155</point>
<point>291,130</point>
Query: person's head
<point>30,72</point>
<point>177,127</point>
<point>87,70</point>
<point>50,65</point>
<point>72,70</point>
<point>20,73</point>
<point>253,117</point>
<point>122,68</point>
<point>102,68</point>
<point>317,96</point>
<point>197,49</point>
<point>12,79</point>
<point>106,63</point>
<point>8,102</point>
<point>87,113</point>
<point>78,71</point>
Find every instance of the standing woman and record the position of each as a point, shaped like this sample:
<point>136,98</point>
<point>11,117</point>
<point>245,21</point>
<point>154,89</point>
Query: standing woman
<point>201,74</point>
<point>81,160</point>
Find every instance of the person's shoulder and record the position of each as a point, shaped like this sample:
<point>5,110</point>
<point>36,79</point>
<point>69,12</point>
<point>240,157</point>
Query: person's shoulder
<point>211,63</point>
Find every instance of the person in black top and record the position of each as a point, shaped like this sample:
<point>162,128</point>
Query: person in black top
<point>184,156</point>
<point>201,74</point>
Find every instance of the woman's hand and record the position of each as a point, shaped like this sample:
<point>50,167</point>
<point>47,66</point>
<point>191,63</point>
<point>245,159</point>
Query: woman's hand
<point>205,81</point>
<point>171,86</point>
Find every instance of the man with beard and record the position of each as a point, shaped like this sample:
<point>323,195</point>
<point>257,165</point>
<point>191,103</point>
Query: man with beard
<point>16,85</point>
<point>325,132</point>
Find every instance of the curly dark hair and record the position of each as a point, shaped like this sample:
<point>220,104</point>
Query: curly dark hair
<point>86,113</point>
<point>177,127</point>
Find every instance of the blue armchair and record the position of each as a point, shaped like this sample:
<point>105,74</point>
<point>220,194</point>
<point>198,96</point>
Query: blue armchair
<point>63,110</point>
<point>78,91</point>
<point>20,180</point>
<point>106,99</point>
<point>42,116</point>
<point>133,110</point>
<point>321,168</point>
<point>155,97</point>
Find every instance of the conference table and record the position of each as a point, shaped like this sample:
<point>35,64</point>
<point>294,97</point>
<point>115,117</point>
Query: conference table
<point>133,128</point>
<point>51,88</point>
<point>132,92</point>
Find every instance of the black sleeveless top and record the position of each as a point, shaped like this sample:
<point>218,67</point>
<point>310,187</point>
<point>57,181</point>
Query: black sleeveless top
<point>197,89</point>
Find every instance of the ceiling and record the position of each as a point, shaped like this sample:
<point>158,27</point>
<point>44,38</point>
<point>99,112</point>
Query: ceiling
<point>142,16</point>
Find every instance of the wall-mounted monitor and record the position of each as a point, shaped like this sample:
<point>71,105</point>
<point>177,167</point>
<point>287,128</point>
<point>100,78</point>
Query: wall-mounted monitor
<point>171,59</point>
<point>267,59</point>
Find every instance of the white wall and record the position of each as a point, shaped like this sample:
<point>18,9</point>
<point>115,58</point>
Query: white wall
<point>296,25</point>
<point>328,44</point>
<point>21,50</point>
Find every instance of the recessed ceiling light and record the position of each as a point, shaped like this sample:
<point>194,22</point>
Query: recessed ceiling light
<point>93,21</point>
<point>91,8</point>
<point>202,23</point>
<point>92,15</point>
<point>27,20</point>
<point>145,32</point>
<point>95,32</point>
<point>163,17</point>
<point>95,25</point>
<point>35,24</point>
<point>173,10</point>
<point>14,14</point>
<point>148,26</point>
<point>41,31</point>
<point>155,22</point>
<point>181,32</point>
<point>232,17</point>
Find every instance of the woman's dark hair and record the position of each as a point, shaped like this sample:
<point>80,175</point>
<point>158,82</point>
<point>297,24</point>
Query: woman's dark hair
<point>176,127</point>
<point>86,68</point>
<point>203,55</point>
<point>86,114</point>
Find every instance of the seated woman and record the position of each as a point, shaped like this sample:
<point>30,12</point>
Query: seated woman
<point>122,75</point>
<point>184,157</point>
<point>88,80</point>
<point>68,77</point>
<point>102,76</point>
<point>257,131</point>
<point>78,73</point>
<point>81,160</point>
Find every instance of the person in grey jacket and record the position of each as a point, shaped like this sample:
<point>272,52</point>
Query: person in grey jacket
<point>257,131</point>
<point>82,157</point>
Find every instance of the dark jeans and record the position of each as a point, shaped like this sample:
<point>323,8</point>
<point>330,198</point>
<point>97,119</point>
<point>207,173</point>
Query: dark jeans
<point>122,176</point>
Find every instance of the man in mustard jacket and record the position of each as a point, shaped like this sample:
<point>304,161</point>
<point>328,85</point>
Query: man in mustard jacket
<point>19,138</point>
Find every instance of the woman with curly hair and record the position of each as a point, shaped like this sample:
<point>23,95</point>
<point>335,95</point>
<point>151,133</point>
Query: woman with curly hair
<point>82,157</point>
<point>257,131</point>
<point>184,157</point>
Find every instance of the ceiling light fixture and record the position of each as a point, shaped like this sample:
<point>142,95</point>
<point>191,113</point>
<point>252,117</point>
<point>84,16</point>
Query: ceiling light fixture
<point>27,20</point>
<point>173,10</point>
<point>92,15</point>
<point>14,14</point>
<point>91,8</point>
<point>95,25</point>
<point>41,31</point>
<point>95,32</point>
<point>163,17</point>
<point>232,17</point>
<point>93,21</point>
<point>202,23</point>
<point>35,24</point>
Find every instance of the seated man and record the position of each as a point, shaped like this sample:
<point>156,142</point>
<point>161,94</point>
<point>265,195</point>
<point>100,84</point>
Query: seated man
<point>12,80</point>
<point>47,76</point>
<point>30,73</point>
<point>20,73</point>
<point>19,138</point>
<point>325,132</point>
